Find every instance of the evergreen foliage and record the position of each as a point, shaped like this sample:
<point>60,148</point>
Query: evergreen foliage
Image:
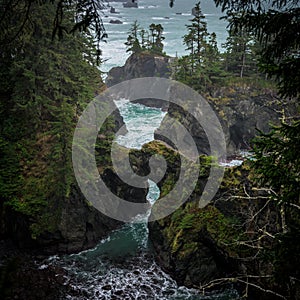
<point>202,67</point>
<point>276,25</point>
<point>45,85</point>
<point>86,17</point>
<point>133,43</point>
<point>139,39</point>
<point>240,55</point>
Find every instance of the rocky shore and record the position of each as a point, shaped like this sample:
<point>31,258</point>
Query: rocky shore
<point>196,246</point>
<point>222,243</point>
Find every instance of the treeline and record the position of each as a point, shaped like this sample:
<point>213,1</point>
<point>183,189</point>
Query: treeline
<point>204,67</point>
<point>139,39</point>
<point>45,83</point>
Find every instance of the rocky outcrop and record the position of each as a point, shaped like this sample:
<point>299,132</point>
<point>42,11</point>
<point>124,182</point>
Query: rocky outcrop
<point>222,240</point>
<point>81,227</point>
<point>228,243</point>
<point>71,224</point>
<point>140,65</point>
<point>76,226</point>
<point>241,108</point>
<point>242,113</point>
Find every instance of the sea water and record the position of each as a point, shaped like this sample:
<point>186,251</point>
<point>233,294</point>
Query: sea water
<point>122,266</point>
<point>173,21</point>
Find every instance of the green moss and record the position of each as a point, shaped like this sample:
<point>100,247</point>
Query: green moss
<point>188,223</point>
<point>176,243</point>
<point>188,249</point>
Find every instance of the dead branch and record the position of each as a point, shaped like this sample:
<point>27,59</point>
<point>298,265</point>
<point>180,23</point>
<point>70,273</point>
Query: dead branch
<point>241,279</point>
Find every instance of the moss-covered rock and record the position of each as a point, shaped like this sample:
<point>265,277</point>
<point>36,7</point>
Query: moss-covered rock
<point>225,238</point>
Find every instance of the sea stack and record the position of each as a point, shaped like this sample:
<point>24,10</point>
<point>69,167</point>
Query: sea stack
<point>131,3</point>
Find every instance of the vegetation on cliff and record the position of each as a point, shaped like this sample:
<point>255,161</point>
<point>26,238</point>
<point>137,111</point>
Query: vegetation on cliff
<point>205,68</point>
<point>45,84</point>
<point>250,233</point>
<point>251,229</point>
<point>141,40</point>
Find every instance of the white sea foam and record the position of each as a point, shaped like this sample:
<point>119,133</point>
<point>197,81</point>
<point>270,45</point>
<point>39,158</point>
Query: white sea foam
<point>150,11</point>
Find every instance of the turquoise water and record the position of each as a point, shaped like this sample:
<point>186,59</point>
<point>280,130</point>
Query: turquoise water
<point>141,122</point>
<point>156,11</point>
<point>122,266</point>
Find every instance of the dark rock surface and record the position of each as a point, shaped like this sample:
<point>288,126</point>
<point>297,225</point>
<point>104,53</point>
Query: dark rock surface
<point>75,224</point>
<point>115,22</point>
<point>241,109</point>
<point>81,227</point>
<point>197,245</point>
<point>22,279</point>
<point>241,114</point>
<point>140,65</point>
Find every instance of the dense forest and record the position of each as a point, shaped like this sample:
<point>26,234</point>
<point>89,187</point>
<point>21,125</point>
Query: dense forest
<point>50,53</point>
<point>45,83</point>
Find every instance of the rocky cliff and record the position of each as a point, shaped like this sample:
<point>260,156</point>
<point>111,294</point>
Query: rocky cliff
<point>140,65</point>
<point>226,239</point>
<point>242,113</point>
<point>242,108</point>
<point>206,248</point>
<point>202,248</point>
<point>72,224</point>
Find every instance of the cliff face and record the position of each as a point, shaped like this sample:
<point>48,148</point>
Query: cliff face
<point>245,110</point>
<point>71,223</point>
<point>223,240</point>
<point>241,114</point>
<point>241,109</point>
<point>140,65</point>
<point>228,237</point>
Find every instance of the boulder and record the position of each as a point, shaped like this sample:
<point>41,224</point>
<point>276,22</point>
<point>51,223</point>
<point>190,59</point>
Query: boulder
<point>140,65</point>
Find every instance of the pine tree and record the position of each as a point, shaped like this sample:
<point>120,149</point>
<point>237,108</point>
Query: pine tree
<point>213,66</point>
<point>48,82</point>
<point>239,56</point>
<point>151,41</point>
<point>145,43</point>
<point>133,43</point>
<point>201,68</point>
<point>196,38</point>
<point>156,38</point>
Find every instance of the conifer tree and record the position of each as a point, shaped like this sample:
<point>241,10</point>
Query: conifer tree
<point>133,43</point>
<point>201,68</point>
<point>239,57</point>
<point>47,83</point>
<point>156,38</point>
<point>196,38</point>
<point>152,42</point>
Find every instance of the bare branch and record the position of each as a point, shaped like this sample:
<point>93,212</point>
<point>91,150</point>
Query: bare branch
<point>242,279</point>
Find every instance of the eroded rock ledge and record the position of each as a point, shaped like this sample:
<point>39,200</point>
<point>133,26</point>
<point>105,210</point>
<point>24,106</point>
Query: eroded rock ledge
<point>140,65</point>
<point>222,240</point>
<point>241,108</point>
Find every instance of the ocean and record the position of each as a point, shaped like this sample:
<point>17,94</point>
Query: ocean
<point>123,266</point>
<point>173,21</point>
